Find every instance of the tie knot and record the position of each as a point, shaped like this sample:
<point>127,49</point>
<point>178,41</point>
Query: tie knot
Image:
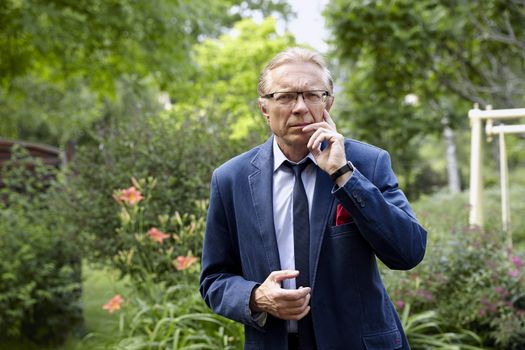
<point>297,168</point>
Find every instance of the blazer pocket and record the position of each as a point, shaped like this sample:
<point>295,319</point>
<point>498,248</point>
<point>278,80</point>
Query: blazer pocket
<point>342,230</point>
<point>383,341</point>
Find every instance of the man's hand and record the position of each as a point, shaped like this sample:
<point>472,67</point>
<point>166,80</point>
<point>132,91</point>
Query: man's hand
<point>333,156</point>
<point>286,304</point>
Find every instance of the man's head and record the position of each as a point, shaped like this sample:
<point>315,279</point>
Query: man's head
<point>293,55</point>
<point>294,88</point>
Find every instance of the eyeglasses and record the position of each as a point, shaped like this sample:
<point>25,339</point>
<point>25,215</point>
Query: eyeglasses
<point>286,98</point>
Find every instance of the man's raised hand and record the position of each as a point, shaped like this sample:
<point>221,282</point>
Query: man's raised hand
<point>333,156</point>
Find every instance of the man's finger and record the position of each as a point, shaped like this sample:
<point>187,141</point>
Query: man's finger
<point>328,118</point>
<point>298,304</point>
<point>301,315</point>
<point>315,126</point>
<point>313,137</point>
<point>298,308</point>
<point>294,294</point>
<point>279,276</point>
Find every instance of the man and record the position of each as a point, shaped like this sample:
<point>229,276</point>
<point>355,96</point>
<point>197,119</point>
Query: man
<point>295,225</point>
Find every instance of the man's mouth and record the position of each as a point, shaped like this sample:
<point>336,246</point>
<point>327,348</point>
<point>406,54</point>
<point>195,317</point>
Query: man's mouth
<point>301,125</point>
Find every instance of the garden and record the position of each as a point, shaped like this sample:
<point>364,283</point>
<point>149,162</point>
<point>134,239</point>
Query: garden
<point>103,251</point>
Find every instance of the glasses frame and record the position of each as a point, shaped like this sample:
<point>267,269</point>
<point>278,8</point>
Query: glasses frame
<point>325,96</point>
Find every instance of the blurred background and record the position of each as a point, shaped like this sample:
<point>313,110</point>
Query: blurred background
<point>114,113</point>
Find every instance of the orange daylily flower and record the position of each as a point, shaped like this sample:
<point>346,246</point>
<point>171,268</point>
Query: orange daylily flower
<point>131,196</point>
<point>157,235</point>
<point>113,304</point>
<point>184,262</point>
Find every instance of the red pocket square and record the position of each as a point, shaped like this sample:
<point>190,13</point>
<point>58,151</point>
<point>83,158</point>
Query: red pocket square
<point>342,216</point>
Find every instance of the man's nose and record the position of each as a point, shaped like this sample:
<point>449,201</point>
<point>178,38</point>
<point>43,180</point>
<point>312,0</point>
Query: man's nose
<point>300,106</point>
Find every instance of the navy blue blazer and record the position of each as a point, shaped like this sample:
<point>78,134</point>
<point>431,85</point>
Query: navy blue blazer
<point>349,305</point>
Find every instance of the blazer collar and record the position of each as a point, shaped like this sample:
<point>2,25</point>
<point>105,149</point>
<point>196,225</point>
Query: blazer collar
<point>261,185</point>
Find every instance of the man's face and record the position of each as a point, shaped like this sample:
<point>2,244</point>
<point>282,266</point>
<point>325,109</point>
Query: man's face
<point>287,121</point>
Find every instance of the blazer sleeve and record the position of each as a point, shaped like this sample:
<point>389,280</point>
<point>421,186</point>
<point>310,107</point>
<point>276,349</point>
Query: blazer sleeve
<point>222,286</point>
<point>383,215</point>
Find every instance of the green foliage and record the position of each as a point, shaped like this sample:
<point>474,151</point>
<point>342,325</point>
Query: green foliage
<point>159,252</point>
<point>445,54</point>
<point>48,111</point>
<point>140,143</point>
<point>175,318</point>
<point>425,330</point>
<point>211,120</point>
<point>39,264</point>
<point>79,51</point>
<point>435,47</point>
<point>469,278</point>
<point>164,309</point>
<point>223,89</point>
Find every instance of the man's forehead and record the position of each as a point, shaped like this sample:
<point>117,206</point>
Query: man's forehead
<point>298,75</point>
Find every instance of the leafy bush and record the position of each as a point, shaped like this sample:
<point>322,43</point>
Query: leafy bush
<point>180,156</point>
<point>39,265</point>
<point>162,252</point>
<point>469,277</point>
<point>163,309</point>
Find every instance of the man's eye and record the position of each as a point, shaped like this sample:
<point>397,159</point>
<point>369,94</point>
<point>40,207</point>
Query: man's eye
<point>313,96</point>
<point>284,97</point>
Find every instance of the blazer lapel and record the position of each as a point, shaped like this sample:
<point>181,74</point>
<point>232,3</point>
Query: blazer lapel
<point>323,201</point>
<point>261,184</point>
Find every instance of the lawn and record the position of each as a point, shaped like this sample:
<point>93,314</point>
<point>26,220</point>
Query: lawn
<point>100,327</point>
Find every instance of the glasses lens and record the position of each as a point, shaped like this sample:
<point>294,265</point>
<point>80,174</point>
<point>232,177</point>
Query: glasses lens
<point>285,98</point>
<point>314,97</point>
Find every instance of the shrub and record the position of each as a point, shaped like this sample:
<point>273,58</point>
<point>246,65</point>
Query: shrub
<point>180,156</point>
<point>39,265</point>
<point>163,251</point>
<point>469,277</point>
<point>164,309</point>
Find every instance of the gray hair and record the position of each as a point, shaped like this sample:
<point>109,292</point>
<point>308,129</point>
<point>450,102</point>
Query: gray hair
<point>293,55</point>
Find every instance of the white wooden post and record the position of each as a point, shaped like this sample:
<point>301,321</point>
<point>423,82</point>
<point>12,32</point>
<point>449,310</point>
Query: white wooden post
<point>476,176</point>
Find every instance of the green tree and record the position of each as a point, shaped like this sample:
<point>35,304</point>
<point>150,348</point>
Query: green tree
<point>224,86</point>
<point>73,53</point>
<point>448,53</point>
<point>179,147</point>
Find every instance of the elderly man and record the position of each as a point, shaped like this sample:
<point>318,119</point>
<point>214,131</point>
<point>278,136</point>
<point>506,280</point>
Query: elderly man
<point>295,225</point>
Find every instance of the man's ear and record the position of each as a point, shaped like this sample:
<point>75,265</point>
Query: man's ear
<point>264,109</point>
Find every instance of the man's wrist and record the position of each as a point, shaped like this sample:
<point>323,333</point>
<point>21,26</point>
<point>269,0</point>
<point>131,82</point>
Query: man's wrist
<point>258,315</point>
<point>253,304</point>
<point>346,168</point>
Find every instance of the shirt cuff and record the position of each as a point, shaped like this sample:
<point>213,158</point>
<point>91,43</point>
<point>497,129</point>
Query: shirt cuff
<point>259,318</point>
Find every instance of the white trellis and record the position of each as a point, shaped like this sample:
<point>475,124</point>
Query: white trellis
<point>477,117</point>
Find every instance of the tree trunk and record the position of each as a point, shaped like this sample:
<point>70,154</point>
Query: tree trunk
<point>454,180</point>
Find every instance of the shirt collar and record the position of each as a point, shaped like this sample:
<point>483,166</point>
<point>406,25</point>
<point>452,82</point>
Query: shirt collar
<point>279,157</point>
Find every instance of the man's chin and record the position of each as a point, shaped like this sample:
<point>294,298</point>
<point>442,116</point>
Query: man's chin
<point>300,140</point>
